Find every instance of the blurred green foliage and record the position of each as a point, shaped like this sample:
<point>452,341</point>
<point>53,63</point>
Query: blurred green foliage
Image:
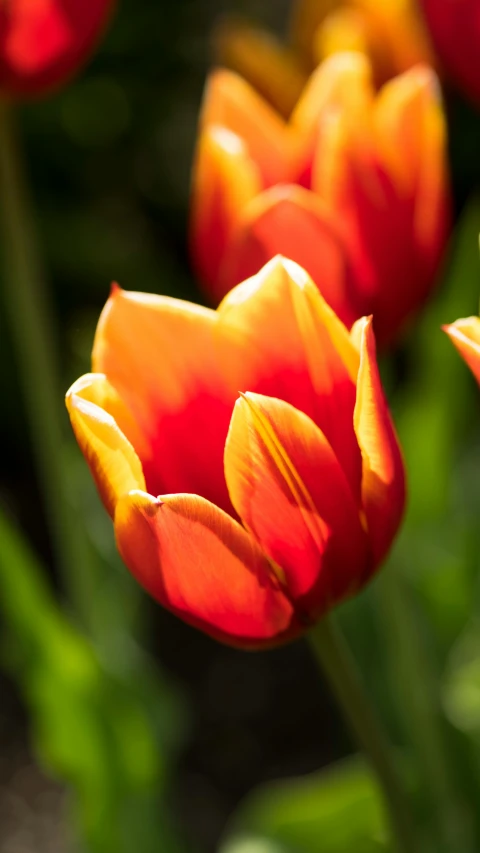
<point>108,733</point>
<point>337,811</point>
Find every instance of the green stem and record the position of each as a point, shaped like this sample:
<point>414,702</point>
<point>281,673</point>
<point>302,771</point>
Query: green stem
<point>338,665</point>
<point>408,663</point>
<point>30,318</point>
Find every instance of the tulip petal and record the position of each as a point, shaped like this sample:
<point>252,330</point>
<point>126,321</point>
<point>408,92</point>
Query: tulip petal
<point>287,486</point>
<point>113,462</point>
<point>465,336</point>
<point>341,84</point>
<point>232,103</point>
<point>159,355</point>
<point>383,478</point>
<point>224,179</point>
<point>295,223</point>
<point>203,566</point>
<point>380,208</point>
<point>284,341</point>
<point>270,67</point>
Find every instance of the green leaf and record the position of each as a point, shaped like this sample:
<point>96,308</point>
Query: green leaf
<point>96,729</point>
<point>338,810</point>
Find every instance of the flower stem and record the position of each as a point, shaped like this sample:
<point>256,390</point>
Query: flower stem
<point>30,317</point>
<point>338,665</point>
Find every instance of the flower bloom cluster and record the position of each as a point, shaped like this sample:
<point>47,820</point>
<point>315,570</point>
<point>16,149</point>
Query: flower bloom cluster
<point>43,42</point>
<point>353,187</point>
<point>247,514</point>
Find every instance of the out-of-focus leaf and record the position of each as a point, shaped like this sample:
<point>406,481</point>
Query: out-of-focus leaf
<point>462,683</point>
<point>92,727</point>
<point>338,810</point>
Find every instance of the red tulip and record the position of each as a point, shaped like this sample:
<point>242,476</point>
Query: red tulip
<point>455,30</point>
<point>351,170</point>
<point>246,455</point>
<point>43,42</point>
<point>465,335</point>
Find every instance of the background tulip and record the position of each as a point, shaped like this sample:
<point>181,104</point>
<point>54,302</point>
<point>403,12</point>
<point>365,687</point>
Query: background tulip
<point>353,187</point>
<point>391,34</point>
<point>43,43</point>
<point>455,30</point>
<point>306,457</point>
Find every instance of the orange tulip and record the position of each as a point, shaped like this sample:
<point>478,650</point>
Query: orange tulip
<point>455,30</point>
<point>262,428</point>
<point>465,335</point>
<point>391,33</point>
<point>353,187</point>
<point>43,42</point>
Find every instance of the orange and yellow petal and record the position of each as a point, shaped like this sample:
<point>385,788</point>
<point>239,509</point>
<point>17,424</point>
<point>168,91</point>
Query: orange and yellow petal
<point>383,475</point>
<point>343,29</point>
<point>341,84</point>
<point>204,567</point>
<point>285,342</point>
<point>229,101</point>
<point>465,336</point>
<point>287,486</point>
<point>225,179</point>
<point>112,460</point>
<point>159,354</point>
<point>291,221</point>
<point>268,65</point>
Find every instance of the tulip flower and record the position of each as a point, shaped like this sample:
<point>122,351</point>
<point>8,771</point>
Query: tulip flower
<point>43,42</point>
<point>391,34</point>
<point>353,187</point>
<point>455,31</point>
<point>246,455</point>
<point>465,336</point>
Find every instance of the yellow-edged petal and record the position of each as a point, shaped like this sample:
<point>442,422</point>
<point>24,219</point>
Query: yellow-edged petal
<point>295,223</point>
<point>203,566</point>
<point>229,101</point>
<point>383,475</point>
<point>285,342</point>
<point>225,179</point>
<point>112,460</point>
<point>287,486</point>
<point>160,355</point>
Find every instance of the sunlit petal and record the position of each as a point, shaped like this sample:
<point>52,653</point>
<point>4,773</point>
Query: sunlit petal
<point>200,564</point>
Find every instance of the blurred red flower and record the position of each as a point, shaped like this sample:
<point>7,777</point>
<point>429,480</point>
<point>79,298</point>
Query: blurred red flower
<point>43,42</point>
